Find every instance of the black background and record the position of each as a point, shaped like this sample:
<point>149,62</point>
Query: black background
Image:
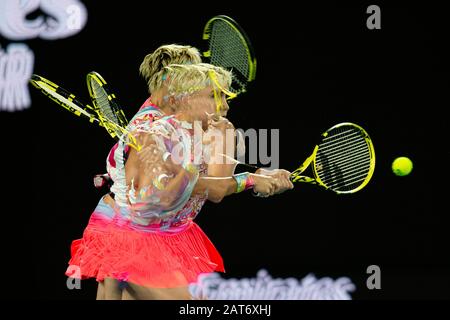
<point>317,66</point>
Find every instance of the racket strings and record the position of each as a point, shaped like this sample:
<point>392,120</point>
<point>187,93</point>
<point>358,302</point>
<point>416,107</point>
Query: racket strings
<point>343,159</point>
<point>340,148</point>
<point>229,51</point>
<point>103,102</point>
<point>345,180</point>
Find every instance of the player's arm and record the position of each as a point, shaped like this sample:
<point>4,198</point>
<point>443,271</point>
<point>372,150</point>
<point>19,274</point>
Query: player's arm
<point>156,185</point>
<point>219,187</point>
<point>216,188</point>
<point>219,182</point>
<point>220,138</point>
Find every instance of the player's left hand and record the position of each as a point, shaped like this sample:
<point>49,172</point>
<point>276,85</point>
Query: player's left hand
<point>282,179</point>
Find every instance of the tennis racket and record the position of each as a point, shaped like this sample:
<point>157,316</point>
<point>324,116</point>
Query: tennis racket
<point>106,105</point>
<point>65,99</point>
<point>229,47</point>
<point>74,105</point>
<point>343,162</point>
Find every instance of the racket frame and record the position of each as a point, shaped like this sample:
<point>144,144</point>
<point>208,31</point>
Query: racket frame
<point>297,177</point>
<point>116,130</point>
<point>78,107</point>
<point>251,59</point>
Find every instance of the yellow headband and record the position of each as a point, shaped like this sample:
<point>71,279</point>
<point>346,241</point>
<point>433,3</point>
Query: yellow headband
<point>217,96</point>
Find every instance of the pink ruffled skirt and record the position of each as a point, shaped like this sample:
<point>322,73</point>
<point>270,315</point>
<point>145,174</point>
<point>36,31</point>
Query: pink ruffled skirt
<point>113,246</point>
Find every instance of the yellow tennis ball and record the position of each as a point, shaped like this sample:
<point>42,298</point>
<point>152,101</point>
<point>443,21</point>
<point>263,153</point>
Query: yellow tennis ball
<point>402,166</point>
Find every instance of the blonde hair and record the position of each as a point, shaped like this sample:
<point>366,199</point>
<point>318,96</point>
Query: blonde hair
<point>187,79</point>
<point>152,67</point>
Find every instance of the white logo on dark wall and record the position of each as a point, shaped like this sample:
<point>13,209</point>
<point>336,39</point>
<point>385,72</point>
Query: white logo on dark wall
<point>211,286</point>
<point>16,66</point>
<point>61,19</point>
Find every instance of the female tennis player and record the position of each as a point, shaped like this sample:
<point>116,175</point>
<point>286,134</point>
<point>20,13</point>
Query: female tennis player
<point>155,107</point>
<point>94,255</point>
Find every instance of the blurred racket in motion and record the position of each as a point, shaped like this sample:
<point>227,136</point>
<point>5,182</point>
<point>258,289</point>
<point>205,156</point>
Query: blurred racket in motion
<point>105,104</point>
<point>94,113</point>
<point>229,47</point>
<point>65,99</point>
<point>343,162</point>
